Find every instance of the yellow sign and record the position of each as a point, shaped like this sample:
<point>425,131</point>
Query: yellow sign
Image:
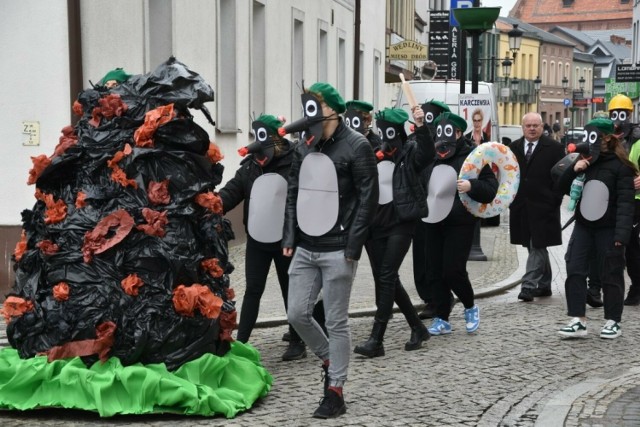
<point>408,51</point>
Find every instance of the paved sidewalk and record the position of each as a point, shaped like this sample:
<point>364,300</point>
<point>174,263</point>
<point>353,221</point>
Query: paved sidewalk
<point>515,371</point>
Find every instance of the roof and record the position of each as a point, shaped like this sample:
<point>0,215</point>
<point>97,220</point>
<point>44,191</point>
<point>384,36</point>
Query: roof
<point>534,32</point>
<point>580,11</point>
<point>583,57</point>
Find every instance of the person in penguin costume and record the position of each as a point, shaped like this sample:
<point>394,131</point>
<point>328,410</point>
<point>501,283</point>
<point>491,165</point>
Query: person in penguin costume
<point>331,200</point>
<point>401,204</point>
<point>432,109</point>
<point>358,116</point>
<point>449,225</point>
<point>261,182</point>
<point>603,224</point>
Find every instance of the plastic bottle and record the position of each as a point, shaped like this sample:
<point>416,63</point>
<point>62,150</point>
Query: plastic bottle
<point>576,191</point>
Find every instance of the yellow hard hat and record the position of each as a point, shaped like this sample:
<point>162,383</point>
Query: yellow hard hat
<point>620,102</point>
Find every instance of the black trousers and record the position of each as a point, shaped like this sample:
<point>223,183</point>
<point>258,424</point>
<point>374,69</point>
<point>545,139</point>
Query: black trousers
<point>632,252</point>
<point>448,248</point>
<point>258,258</point>
<point>585,246</point>
<point>386,255</point>
<point>422,283</point>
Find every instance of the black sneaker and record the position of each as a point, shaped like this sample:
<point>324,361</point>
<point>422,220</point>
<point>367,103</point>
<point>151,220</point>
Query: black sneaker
<point>297,350</point>
<point>633,297</point>
<point>331,406</point>
<point>428,312</point>
<point>526,295</point>
<point>540,292</point>
<point>286,336</point>
<point>594,298</point>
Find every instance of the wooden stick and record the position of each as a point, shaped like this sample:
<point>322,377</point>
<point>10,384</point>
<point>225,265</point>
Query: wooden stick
<point>408,92</point>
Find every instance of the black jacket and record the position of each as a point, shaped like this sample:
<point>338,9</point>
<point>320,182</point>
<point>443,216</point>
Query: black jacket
<point>239,187</point>
<point>357,175</point>
<point>483,188</point>
<point>618,178</point>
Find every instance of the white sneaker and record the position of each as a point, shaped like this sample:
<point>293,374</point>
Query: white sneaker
<point>611,330</point>
<point>575,329</point>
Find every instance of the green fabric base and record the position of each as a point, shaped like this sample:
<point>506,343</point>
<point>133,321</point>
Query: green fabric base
<point>209,385</point>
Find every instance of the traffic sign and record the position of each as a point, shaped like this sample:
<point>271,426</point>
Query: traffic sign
<point>567,102</point>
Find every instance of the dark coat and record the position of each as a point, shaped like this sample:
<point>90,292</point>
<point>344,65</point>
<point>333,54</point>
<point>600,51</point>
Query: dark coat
<point>534,215</point>
<point>355,164</point>
<point>618,178</point>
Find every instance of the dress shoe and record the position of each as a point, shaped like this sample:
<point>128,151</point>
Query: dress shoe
<point>538,292</point>
<point>526,295</point>
<point>295,351</point>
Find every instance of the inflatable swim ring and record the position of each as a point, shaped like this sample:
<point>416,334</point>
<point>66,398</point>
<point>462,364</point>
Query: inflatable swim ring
<point>504,165</point>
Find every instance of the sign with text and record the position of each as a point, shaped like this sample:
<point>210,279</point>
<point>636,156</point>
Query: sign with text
<point>439,41</point>
<point>627,73</point>
<point>454,51</point>
<point>474,105</point>
<point>458,4</point>
<point>408,51</point>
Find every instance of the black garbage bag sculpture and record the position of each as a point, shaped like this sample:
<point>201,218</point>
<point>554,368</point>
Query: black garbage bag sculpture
<point>125,252</point>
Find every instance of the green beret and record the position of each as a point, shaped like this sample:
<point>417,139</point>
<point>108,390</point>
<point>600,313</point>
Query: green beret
<point>606,126</point>
<point>271,122</point>
<point>438,104</point>
<point>393,115</point>
<point>359,105</point>
<point>457,121</point>
<point>118,75</point>
<point>330,95</point>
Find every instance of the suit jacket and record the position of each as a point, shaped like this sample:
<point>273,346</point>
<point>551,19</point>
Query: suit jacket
<point>534,215</point>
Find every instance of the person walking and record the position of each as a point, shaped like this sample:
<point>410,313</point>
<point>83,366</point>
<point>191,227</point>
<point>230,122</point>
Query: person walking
<point>534,215</point>
<point>402,203</point>
<point>432,109</point>
<point>331,200</point>
<point>450,226</point>
<point>261,182</point>
<point>604,217</point>
<point>358,116</point>
<point>632,252</point>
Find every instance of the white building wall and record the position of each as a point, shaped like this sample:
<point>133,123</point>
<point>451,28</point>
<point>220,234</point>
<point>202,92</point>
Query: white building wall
<point>116,33</point>
<point>35,70</point>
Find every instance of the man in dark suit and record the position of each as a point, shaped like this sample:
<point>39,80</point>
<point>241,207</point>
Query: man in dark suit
<point>534,220</point>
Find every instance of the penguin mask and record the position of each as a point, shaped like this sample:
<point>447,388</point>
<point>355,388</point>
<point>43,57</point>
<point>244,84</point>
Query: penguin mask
<point>446,140</point>
<point>355,120</point>
<point>393,136</point>
<point>266,138</point>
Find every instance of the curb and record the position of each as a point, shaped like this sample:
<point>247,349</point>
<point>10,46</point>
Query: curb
<point>370,312</point>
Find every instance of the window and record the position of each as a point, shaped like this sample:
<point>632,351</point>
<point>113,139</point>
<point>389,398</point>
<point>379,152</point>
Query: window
<point>342,62</point>
<point>160,35</point>
<point>227,67</point>
<point>258,59</point>
<point>297,63</point>
<point>377,64</point>
<point>323,51</point>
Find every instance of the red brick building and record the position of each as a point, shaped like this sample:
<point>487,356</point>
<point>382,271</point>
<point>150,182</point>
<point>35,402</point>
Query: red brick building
<point>577,14</point>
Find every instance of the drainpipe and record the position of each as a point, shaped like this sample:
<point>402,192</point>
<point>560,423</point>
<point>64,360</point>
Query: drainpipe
<point>356,53</point>
<point>75,53</point>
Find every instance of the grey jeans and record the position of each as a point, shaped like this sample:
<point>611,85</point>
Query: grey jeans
<point>332,273</point>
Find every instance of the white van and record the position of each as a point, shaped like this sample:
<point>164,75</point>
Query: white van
<point>448,91</point>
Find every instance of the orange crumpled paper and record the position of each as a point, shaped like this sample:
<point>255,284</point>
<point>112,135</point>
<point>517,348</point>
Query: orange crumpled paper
<point>15,307</point>
<point>100,345</point>
<point>143,136</point>
<point>158,192</point>
<point>210,201</point>
<point>156,222</point>
<point>131,284</point>
<point>21,246</point>
<point>61,291</point>
<point>95,241</point>
<point>212,267</point>
<point>213,153</point>
<point>40,163</point>
<point>186,300</point>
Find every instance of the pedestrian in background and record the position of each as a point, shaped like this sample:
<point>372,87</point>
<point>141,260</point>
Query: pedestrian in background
<point>632,252</point>
<point>402,202</point>
<point>331,200</point>
<point>450,226</point>
<point>261,182</point>
<point>534,217</point>
<point>604,219</point>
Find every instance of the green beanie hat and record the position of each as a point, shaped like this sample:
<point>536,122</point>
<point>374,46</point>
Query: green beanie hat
<point>438,104</point>
<point>118,75</point>
<point>359,105</point>
<point>271,122</point>
<point>330,95</point>
<point>457,121</point>
<point>396,116</point>
<point>606,126</point>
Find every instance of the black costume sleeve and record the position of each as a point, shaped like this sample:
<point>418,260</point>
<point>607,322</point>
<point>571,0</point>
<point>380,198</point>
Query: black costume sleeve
<point>625,208</point>
<point>485,187</point>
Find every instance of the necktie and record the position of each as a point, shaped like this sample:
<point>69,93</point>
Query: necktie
<point>527,155</point>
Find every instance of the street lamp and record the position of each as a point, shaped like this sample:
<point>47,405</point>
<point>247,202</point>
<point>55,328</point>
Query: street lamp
<point>537,83</point>
<point>565,84</point>
<point>581,83</point>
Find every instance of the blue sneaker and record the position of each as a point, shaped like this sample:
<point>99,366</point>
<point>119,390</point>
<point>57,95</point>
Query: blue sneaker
<point>439,327</point>
<point>472,318</point>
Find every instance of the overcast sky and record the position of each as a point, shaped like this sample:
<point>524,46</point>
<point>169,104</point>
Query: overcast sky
<point>506,5</point>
